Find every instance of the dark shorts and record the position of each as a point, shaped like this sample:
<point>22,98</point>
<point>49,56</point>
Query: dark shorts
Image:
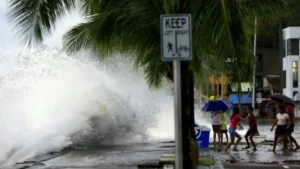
<point>224,131</point>
<point>291,128</point>
<point>251,131</point>
<point>216,128</point>
<point>280,130</point>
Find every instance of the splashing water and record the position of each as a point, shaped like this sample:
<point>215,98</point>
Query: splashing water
<point>49,100</point>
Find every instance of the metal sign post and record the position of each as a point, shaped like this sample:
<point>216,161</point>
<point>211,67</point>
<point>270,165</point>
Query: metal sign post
<point>177,116</point>
<point>176,46</point>
<point>254,68</point>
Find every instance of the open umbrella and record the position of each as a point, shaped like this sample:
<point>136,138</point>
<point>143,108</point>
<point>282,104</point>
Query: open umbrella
<point>216,105</point>
<point>282,98</point>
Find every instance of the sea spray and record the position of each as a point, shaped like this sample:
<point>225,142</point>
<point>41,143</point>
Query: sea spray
<point>49,100</point>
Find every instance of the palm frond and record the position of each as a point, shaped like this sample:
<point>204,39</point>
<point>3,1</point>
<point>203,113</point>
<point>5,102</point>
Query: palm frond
<point>79,38</point>
<point>89,7</point>
<point>224,34</point>
<point>221,29</point>
<point>155,72</point>
<point>127,27</point>
<point>266,8</point>
<point>34,19</point>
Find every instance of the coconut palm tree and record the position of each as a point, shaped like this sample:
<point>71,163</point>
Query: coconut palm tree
<point>221,28</point>
<point>133,27</point>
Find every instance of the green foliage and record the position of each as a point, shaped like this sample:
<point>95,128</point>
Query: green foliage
<point>34,19</point>
<point>268,29</point>
<point>221,29</point>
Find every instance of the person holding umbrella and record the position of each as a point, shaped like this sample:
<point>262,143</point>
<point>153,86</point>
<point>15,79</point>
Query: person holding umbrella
<point>290,111</point>
<point>288,106</point>
<point>215,107</point>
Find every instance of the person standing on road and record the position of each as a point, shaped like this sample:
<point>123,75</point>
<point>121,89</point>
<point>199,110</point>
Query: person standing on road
<point>216,125</point>
<point>224,130</point>
<point>252,128</point>
<point>290,111</point>
<point>235,119</point>
<point>282,121</point>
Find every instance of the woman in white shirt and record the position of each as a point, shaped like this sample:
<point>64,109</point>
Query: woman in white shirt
<point>283,123</point>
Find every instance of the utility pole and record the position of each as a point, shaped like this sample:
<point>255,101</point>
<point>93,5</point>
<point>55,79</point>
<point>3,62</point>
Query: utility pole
<point>254,67</point>
<point>280,54</point>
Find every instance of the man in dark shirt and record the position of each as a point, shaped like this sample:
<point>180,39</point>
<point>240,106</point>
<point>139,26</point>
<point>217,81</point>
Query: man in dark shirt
<point>290,111</point>
<point>252,128</point>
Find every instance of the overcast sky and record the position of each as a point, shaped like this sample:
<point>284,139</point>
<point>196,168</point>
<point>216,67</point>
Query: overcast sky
<point>9,40</point>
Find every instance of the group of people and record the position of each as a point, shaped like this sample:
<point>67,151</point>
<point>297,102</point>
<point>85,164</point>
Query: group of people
<point>285,122</point>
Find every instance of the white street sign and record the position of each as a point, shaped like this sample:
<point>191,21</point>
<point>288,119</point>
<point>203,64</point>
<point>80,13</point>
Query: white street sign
<point>176,39</point>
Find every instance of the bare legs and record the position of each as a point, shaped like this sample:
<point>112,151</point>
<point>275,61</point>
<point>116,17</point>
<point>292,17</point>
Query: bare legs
<point>232,138</point>
<point>217,132</point>
<point>214,136</point>
<point>219,136</point>
<point>226,134</point>
<point>293,140</point>
<point>275,142</point>
<point>251,139</point>
<point>253,144</point>
<point>237,142</point>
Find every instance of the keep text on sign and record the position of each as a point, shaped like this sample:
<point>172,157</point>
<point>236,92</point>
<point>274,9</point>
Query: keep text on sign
<point>176,37</point>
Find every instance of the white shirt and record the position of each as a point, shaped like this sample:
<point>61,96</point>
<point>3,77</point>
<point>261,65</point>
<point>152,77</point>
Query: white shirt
<point>282,118</point>
<point>216,119</point>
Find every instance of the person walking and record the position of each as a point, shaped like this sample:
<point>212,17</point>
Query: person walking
<point>289,110</point>
<point>224,131</point>
<point>216,125</point>
<point>252,128</point>
<point>235,119</point>
<point>282,121</point>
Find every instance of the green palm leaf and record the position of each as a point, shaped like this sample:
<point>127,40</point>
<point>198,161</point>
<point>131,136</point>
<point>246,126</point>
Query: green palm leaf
<point>90,7</point>
<point>34,19</point>
<point>221,30</point>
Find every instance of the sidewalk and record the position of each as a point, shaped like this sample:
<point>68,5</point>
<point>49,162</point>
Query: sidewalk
<point>259,166</point>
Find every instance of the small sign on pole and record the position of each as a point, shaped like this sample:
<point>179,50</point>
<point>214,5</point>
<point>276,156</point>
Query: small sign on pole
<point>176,37</point>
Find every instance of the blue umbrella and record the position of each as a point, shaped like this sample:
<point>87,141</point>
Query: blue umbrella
<point>216,105</point>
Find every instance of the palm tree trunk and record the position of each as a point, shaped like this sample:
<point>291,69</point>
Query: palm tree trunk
<point>187,104</point>
<point>192,104</point>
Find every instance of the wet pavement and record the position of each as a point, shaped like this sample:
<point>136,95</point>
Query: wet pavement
<point>251,166</point>
<point>264,144</point>
<point>108,157</point>
<point>129,156</point>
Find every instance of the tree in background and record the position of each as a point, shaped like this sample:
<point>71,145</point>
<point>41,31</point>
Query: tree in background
<point>221,29</point>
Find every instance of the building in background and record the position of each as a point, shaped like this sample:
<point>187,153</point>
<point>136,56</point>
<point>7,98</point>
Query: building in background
<point>273,73</point>
<point>290,62</point>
